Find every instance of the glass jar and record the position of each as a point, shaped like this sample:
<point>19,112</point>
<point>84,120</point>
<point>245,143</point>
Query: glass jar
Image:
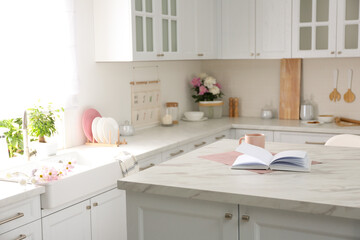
<point>173,109</point>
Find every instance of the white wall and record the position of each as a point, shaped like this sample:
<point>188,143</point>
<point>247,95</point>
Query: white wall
<point>257,83</point>
<point>105,86</point>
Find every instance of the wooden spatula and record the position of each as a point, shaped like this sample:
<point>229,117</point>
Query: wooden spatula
<point>335,95</point>
<point>349,96</point>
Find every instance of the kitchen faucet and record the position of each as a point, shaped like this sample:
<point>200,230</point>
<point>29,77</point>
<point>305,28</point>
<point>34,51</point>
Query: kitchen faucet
<point>27,152</point>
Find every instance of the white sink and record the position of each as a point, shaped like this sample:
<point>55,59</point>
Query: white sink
<point>95,169</point>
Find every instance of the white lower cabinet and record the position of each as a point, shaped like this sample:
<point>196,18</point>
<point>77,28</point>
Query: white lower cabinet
<point>269,135</point>
<point>101,217</point>
<point>269,224</point>
<point>302,138</point>
<point>153,217</point>
<point>31,231</point>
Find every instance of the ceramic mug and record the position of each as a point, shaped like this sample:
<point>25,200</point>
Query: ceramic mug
<point>257,139</point>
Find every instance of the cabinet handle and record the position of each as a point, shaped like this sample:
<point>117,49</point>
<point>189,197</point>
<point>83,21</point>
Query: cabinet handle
<point>95,204</point>
<point>151,165</point>
<point>252,54</point>
<point>21,237</point>
<point>228,216</point>
<point>245,218</point>
<point>220,137</point>
<point>200,54</point>
<point>88,207</point>
<point>176,153</point>
<point>339,52</point>
<point>332,52</point>
<point>317,143</point>
<point>18,215</point>
<point>258,54</point>
<point>160,55</point>
<point>200,144</point>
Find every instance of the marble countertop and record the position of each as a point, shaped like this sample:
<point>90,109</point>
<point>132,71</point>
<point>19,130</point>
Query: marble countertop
<point>331,188</point>
<point>12,192</point>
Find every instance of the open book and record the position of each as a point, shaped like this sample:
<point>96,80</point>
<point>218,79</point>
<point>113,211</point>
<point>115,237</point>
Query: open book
<point>258,158</point>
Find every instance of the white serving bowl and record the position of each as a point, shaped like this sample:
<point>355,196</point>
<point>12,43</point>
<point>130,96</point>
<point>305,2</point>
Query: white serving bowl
<point>326,118</point>
<point>194,116</point>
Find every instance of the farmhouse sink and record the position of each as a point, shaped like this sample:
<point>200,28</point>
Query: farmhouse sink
<point>95,169</point>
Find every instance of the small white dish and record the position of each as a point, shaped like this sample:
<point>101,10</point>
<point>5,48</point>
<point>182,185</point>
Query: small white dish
<point>110,130</point>
<point>313,123</point>
<point>194,115</point>
<point>200,120</point>
<point>94,129</point>
<point>326,118</point>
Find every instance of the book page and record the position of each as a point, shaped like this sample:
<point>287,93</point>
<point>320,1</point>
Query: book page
<point>248,162</point>
<point>292,154</point>
<point>257,152</point>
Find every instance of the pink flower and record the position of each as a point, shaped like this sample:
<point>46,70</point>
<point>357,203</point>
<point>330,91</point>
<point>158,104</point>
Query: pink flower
<point>196,82</point>
<point>218,85</point>
<point>203,90</point>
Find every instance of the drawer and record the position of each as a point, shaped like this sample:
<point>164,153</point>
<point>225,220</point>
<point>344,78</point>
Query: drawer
<point>20,213</point>
<point>221,135</point>
<point>302,138</point>
<point>174,152</point>
<point>150,162</point>
<point>269,135</point>
<point>198,144</point>
<point>29,231</point>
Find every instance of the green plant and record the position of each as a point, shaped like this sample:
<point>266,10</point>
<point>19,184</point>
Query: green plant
<point>14,136</point>
<point>42,121</point>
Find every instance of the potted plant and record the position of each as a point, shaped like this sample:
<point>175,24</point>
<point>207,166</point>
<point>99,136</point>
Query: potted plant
<point>14,136</point>
<point>208,94</point>
<point>41,125</point>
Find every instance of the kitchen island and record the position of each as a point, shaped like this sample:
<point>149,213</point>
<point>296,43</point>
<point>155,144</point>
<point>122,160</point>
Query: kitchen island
<point>194,198</point>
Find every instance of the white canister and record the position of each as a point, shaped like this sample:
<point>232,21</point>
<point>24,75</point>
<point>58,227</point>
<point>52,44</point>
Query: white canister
<point>307,112</point>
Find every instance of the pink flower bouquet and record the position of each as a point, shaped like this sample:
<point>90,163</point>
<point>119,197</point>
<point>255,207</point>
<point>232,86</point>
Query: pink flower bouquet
<point>206,88</point>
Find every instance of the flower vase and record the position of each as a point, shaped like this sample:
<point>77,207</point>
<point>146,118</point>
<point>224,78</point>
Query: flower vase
<point>211,109</point>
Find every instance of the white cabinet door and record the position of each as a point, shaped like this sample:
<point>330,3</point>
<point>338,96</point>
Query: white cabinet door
<point>273,29</point>
<point>302,138</point>
<point>108,215</point>
<point>72,223</point>
<point>314,28</point>
<point>348,23</point>
<point>187,29</point>
<point>269,135</point>
<point>206,17</point>
<point>155,217</point>
<point>238,29</point>
<point>268,224</point>
<point>31,231</point>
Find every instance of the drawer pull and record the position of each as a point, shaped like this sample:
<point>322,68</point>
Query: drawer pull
<point>21,237</point>
<point>18,215</point>
<point>317,143</point>
<point>228,216</point>
<point>151,165</point>
<point>88,207</point>
<point>160,55</point>
<point>220,137</point>
<point>176,153</point>
<point>95,204</point>
<point>199,145</point>
<point>200,54</point>
<point>245,218</point>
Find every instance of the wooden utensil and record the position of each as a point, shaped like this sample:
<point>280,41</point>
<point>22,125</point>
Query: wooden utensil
<point>349,96</point>
<point>335,95</point>
<point>346,122</point>
<point>290,76</point>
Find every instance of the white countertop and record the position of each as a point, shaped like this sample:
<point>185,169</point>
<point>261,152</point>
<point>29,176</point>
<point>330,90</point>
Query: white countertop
<point>331,188</point>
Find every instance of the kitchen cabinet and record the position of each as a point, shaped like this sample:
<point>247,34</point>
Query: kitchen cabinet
<point>199,29</point>
<point>159,217</point>
<point>269,224</point>
<point>30,231</point>
<point>101,217</point>
<point>302,138</point>
<point>256,29</point>
<point>135,30</point>
<point>18,214</point>
<point>269,135</point>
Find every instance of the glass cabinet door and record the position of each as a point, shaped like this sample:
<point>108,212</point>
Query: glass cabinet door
<point>169,22</point>
<point>144,25</point>
<point>348,28</point>
<point>314,29</point>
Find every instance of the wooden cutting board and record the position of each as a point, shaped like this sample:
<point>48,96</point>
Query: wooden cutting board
<point>290,78</point>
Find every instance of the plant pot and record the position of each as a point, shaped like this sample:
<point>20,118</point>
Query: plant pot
<point>211,109</point>
<point>45,149</point>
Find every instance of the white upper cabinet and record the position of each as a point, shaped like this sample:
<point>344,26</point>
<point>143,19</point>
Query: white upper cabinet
<point>198,29</point>
<point>348,39</point>
<point>256,29</point>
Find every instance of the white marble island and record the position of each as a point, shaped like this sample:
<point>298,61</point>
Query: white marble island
<point>329,194</point>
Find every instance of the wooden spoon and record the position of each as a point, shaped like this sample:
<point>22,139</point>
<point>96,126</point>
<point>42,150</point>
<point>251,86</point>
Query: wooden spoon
<point>333,94</point>
<point>349,96</point>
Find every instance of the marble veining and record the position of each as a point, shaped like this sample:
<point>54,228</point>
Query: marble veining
<point>331,188</point>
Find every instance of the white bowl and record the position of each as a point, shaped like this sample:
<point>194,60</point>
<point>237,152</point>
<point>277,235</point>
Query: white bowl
<point>194,116</point>
<point>326,118</point>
